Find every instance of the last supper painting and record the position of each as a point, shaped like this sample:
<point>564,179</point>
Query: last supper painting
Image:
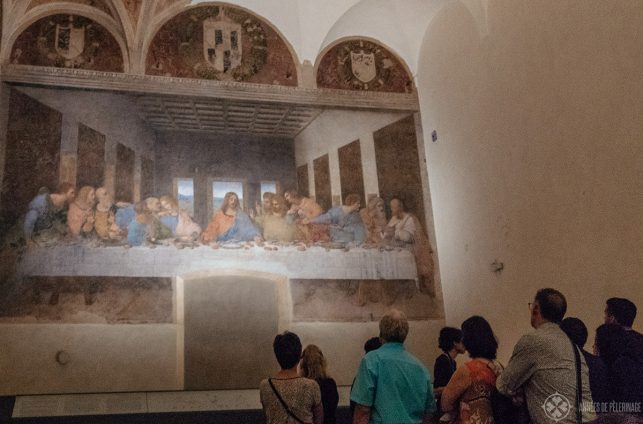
<point>147,192</point>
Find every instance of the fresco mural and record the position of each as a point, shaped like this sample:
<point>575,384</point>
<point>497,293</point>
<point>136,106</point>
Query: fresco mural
<point>68,41</point>
<point>98,4</point>
<point>345,300</point>
<point>363,65</point>
<point>95,300</point>
<point>133,9</point>
<point>91,157</point>
<point>221,43</point>
<point>110,220</point>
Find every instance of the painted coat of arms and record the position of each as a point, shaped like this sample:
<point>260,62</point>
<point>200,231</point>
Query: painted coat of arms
<point>70,41</point>
<point>363,66</point>
<point>222,47</point>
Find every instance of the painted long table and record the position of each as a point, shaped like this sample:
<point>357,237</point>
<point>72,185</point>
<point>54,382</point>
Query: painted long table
<point>168,261</point>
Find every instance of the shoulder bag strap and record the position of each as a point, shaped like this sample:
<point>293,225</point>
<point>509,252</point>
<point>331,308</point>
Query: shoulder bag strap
<point>274,389</point>
<point>579,385</point>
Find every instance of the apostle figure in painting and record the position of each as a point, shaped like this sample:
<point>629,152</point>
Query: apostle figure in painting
<point>178,220</point>
<point>345,222</point>
<point>374,218</point>
<point>275,225</point>
<point>139,230</point>
<point>266,205</point>
<point>156,230</point>
<point>125,214</point>
<point>105,217</point>
<point>80,217</point>
<point>405,229</point>
<point>305,208</point>
<point>46,219</point>
<point>230,223</point>
<point>264,209</point>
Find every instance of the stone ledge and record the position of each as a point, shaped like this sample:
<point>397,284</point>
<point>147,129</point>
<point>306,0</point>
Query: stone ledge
<point>245,92</point>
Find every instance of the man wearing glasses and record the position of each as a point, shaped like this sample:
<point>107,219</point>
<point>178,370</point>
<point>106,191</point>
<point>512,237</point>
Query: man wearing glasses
<point>543,365</point>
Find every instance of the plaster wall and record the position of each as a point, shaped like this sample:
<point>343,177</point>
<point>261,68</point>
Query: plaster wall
<point>538,162</point>
<point>150,357</point>
<point>101,358</point>
<point>396,24</point>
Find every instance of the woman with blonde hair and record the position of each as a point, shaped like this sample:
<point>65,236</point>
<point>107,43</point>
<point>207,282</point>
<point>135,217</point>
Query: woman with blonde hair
<point>313,366</point>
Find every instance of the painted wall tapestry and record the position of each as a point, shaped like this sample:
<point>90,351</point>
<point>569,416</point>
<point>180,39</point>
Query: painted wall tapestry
<point>350,170</point>
<point>221,43</point>
<point>147,178</point>
<point>363,65</point>
<point>302,180</point>
<point>33,143</point>
<point>91,157</point>
<point>124,173</point>
<point>322,182</point>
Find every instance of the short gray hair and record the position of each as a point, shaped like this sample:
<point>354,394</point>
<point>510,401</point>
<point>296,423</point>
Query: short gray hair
<point>394,326</point>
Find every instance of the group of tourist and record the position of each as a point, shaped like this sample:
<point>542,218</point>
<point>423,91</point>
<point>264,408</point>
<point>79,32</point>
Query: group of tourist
<point>549,378</point>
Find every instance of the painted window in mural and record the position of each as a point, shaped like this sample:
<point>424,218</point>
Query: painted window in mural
<point>268,187</point>
<point>185,194</point>
<point>220,188</point>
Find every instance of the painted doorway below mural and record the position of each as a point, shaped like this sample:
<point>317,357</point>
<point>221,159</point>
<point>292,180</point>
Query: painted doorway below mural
<point>230,324</point>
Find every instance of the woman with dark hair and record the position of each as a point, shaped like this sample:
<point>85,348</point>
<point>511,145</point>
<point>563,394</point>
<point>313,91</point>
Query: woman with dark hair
<point>624,373</point>
<point>313,366</point>
<point>287,397</point>
<point>450,342</point>
<point>473,384</point>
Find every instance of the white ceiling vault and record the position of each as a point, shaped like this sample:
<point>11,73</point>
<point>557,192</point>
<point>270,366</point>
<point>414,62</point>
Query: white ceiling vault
<point>166,113</point>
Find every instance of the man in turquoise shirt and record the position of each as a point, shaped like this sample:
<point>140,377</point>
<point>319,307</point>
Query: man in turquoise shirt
<point>392,386</point>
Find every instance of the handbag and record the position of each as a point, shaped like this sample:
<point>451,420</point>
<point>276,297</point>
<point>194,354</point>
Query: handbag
<point>504,409</point>
<point>284,404</point>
